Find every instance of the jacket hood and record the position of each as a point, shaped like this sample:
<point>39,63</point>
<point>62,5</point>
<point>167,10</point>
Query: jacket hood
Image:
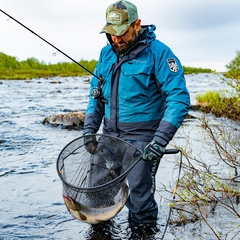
<point>149,30</point>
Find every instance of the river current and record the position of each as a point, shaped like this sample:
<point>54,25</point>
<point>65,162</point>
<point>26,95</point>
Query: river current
<point>31,203</point>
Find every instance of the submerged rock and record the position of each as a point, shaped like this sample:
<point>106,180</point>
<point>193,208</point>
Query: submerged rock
<point>72,120</point>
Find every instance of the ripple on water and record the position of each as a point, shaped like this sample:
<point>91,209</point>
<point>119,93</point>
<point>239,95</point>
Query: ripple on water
<point>31,193</point>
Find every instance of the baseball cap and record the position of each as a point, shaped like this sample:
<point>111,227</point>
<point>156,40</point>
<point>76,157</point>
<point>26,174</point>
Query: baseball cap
<point>119,16</point>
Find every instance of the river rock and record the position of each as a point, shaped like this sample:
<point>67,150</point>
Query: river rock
<point>72,120</point>
<point>75,120</point>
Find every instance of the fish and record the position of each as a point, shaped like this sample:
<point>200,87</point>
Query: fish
<point>74,208</point>
<point>95,215</point>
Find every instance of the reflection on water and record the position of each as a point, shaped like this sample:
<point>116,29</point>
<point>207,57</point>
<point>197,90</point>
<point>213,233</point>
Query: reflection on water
<point>31,200</point>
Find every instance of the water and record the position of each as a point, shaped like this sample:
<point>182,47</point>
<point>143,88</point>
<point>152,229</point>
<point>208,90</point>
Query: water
<point>31,203</point>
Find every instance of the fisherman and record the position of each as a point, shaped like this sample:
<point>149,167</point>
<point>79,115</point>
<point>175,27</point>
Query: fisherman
<point>141,98</point>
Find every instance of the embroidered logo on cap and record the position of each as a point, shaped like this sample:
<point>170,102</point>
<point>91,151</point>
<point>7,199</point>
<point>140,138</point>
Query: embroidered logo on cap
<point>172,65</point>
<point>114,18</point>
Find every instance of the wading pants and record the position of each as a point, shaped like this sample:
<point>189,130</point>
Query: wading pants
<point>141,203</point>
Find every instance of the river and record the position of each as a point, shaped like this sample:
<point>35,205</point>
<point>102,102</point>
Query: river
<point>31,203</point>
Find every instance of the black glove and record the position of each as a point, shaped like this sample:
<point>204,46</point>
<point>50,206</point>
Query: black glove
<point>90,143</point>
<point>153,151</point>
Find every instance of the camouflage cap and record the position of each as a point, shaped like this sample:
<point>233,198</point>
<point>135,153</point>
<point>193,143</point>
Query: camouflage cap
<point>119,16</point>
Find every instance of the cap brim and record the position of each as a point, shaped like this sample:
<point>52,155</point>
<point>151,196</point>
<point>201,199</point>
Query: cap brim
<point>116,30</point>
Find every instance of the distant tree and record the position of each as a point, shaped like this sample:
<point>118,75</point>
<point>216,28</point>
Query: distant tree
<point>233,72</point>
<point>8,62</point>
<point>31,63</point>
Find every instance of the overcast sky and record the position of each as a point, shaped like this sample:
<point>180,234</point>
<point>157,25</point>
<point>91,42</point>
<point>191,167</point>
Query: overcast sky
<point>202,33</point>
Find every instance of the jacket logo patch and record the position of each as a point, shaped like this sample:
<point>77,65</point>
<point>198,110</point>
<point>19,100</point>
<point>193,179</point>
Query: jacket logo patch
<point>172,65</point>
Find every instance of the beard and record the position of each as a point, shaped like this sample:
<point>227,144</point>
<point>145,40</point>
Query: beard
<point>127,45</point>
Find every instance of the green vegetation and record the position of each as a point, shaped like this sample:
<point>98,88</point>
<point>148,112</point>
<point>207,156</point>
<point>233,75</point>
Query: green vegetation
<point>225,103</point>
<point>234,69</point>
<point>220,104</point>
<point>11,68</point>
<point>190,70</point>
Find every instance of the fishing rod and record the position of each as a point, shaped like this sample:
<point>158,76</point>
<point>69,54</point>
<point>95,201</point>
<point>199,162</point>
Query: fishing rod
<point>50,44</point>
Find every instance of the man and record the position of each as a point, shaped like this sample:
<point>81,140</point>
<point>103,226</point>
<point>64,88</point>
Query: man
<point>143,99</point>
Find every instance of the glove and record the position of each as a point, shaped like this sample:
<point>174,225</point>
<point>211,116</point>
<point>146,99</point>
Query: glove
<point>153,151</point>
<point>90,143</point>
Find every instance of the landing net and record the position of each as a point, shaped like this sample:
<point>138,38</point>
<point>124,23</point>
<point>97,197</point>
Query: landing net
<point>94,184</point>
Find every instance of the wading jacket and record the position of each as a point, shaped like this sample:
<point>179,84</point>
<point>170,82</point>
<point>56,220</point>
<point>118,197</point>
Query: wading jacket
<point>145,92</point>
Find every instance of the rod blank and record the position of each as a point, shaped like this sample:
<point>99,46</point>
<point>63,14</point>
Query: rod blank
<point>49,43</point>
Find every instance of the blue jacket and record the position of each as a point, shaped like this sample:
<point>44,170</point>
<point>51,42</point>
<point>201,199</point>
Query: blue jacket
<point>145,90</point>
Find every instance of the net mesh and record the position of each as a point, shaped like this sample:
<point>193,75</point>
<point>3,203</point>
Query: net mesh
<point>94,184</point>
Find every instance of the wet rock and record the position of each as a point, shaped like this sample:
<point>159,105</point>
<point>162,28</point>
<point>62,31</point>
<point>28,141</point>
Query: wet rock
<point>55,82</point>
<point>28,81</point>
<point>72,120</point>
<point>195,107</point>
<point>189,116</point>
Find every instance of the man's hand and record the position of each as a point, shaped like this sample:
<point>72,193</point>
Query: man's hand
<point>90,143</point>
<point>153,151</point>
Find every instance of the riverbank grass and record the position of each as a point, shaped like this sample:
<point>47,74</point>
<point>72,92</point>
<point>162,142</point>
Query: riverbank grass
<point>219,104</point>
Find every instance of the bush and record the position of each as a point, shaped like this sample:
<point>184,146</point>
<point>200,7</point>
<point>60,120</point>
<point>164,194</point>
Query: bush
<point>234,70</point>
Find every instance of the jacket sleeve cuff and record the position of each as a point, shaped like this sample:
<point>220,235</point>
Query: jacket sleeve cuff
<point>89,131</point>
<point>164,133</point>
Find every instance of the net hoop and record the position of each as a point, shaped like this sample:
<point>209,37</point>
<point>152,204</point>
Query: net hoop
<point>118,179</point>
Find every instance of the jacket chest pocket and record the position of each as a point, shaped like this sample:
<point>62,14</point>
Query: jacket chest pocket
<point>137,73</point>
